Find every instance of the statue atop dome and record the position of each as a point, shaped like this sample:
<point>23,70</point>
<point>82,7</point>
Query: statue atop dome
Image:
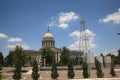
<point>48,29</point>
<point>48,34</point>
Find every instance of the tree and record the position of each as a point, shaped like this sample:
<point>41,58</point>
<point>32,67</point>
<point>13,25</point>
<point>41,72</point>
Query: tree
<point>112,71</point>
<point>114,58</point>
<point>13,56</point>
<point>103,59</point>
<point>119,56</point>
<point>70,69</point>
<point>76,60</point>
<point>9,59</point>
<point>98,68</point>
<point>18,56</point>
<point>0,72</point>
<point>47,54</point>
<point>101,55</point>
<point>17,71</point>
<point>54,73</point>
<point>35,75</point>
<point>85,70</point>
<point>1,59</point>
<point>65,56</point>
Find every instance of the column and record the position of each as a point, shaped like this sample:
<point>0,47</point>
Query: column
<point>45,43</point>
<point>57,57</point>
<point>44,61</point>
<point>50,43</point>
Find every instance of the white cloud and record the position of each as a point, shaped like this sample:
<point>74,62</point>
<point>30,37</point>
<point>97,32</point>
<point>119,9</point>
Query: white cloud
<point>63,25</point>
<point>12,39</point>
<point>75,34</point>
<point>67,17</point>
<point>90,40</point>
<point>2,35</point>
<point>115,18</point>
<point>24,46</point>
<point>10,46</point>
<point>63,19</point>
<point>52,22</point>
<point>74,46</point>
<point>78,33</point>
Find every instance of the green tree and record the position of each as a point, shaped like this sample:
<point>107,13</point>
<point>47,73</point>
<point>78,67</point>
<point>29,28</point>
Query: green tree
<point>20,54</point>
<point>76,60</point>
<point>85,70</point>
<point>112,71</point>
<point>1,59</point>
<point>17,71</point>
<point>13,56</point>
<point>118,56</point>
<point>101,55</point>
<point>0,72</point>
<point>35,75</point>
<point>70,72</point>
<point>9,59</point>
<point>103,59</point>
<point>99,70</point>
<point>114,58</point>
<point>65,56</point>
<point>54,73</point>
<point>47,54</point>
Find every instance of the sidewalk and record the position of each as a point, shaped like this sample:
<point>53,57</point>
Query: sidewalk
<point>98,79</point>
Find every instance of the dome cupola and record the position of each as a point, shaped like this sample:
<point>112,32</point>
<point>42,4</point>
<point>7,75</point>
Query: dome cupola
<point>48,39</point>
<point>48,34</point>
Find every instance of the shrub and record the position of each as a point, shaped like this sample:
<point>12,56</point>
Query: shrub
<point>85,70</point>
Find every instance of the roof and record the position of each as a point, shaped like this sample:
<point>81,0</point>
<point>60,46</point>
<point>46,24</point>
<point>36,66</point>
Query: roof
<point>48,35</point>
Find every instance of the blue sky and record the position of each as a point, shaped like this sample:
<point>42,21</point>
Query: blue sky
<point>24,22</point>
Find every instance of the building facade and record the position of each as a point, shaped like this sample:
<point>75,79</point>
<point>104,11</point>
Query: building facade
<point>49,42</point>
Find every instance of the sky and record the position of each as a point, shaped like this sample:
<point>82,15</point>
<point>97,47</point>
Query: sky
<point>24,22</point>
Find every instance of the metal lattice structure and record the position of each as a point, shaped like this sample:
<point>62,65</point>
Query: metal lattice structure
<point>83,42</point>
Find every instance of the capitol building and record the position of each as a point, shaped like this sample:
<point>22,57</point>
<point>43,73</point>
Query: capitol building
<point>49,42</point>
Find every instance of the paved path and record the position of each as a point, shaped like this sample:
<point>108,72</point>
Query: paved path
<point>46,75</point>
<point>98,79</point>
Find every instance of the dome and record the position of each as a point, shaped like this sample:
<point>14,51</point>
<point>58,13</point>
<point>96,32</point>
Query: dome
<point>48,35</point>
<point>48,39</point>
